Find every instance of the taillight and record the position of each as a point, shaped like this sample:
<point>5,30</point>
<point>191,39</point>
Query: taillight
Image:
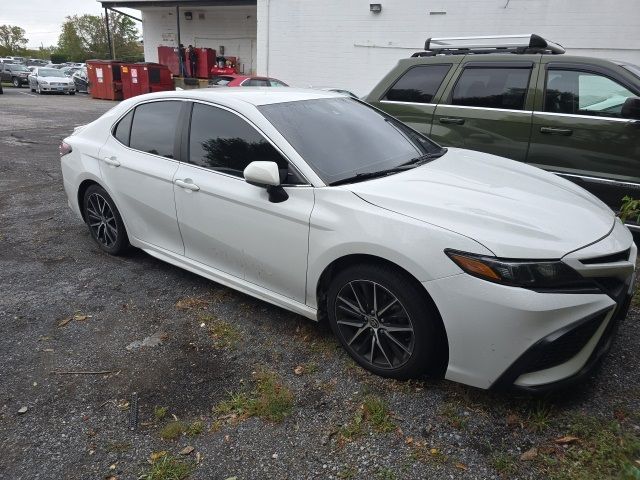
<point>64,148</point>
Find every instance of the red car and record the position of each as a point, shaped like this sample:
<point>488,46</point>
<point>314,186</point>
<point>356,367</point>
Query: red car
<point>235,80</point>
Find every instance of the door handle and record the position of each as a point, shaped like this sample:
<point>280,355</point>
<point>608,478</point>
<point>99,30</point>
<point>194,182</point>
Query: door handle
<point>187,184</point>
<point>452,121</point>
<point>111,161</point>
<point>556,131</point>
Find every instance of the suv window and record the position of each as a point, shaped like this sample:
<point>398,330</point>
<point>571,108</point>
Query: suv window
<point>123,129</point>
<point>418,84</point>
<point>222,141</point>
<point>584,93</point>
<point>496,87</point>
<point>154,127</point>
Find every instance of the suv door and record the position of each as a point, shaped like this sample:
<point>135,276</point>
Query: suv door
<point>579,133</point>
<point>412,98</point>
<point>488,108</point>
<point>138,163</point>
<point>230,225</point>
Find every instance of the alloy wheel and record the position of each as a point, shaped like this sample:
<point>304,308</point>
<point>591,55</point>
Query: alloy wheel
<point>102,220</point>
<point>374,324</point>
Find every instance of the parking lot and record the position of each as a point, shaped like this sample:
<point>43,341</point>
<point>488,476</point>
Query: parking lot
<point>256,391</point>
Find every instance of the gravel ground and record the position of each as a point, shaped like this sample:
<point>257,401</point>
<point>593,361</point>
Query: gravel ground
<point>66,307</point>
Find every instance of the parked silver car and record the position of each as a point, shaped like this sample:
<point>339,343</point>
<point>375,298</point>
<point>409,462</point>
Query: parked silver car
<point>44,80</point>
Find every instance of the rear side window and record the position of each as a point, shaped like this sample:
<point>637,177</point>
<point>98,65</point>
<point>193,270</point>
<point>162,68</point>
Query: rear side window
<point>492,88</point>
<point>154,127</point>
<point>418,84</point>
<point>222,141</point>
<point>256,82</point>
<point>123,129</point>
<point>584,93</point>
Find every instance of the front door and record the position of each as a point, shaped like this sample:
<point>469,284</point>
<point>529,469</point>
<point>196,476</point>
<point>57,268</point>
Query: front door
<point>138,164</point>
<point>231,225</point>
<point>488,109</point>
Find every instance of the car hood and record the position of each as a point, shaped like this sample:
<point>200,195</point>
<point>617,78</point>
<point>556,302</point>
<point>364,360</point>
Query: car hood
<point>55,79</point>
<point>513,209</point>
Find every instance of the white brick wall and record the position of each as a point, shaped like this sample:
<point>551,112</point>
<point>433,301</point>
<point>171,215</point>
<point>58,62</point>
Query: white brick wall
<point>233,27</point>
<point>340,43</point>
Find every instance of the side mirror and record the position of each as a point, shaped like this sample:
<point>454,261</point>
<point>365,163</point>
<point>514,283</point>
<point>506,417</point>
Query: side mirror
<point>266,174</point>
<point>631,108</point>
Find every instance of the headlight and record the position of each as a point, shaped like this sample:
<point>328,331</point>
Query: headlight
<point>541,275</point>
<point>44,82</point>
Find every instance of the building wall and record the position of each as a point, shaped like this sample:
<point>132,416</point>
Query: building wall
<point>232,27</point>
<point>340,43</point>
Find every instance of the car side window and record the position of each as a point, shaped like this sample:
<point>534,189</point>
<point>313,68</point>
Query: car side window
<point>256,82</point>
<point>154,126</point>
<point>123,129</point>
<point>584,93</point>
<point>418,84</point>
<point>495,87</point>
<point>222,141</point>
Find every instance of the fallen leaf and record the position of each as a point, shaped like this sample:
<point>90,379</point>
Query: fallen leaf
<point>299,370</point>
<point>513,420</point>
<point>409,440</point>
<point>111,477</point>
<point>64,321</point>
<point>461,466</point>
<point>157,455</point>
<point>79,317</point>
<point>567,439</point>
<point>434,451</point>
<point>529,454</point>
<point>186,450</point>
<point>198,457</point>
<point>191,303</point>
<point>22,410</point>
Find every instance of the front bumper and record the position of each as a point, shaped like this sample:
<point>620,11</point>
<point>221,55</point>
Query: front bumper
<point>502,336</point>
<point>58,88</point>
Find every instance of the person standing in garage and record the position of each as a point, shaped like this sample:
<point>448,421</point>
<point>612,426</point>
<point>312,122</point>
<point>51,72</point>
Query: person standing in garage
<point>192,57</point>
<point>181,59</point>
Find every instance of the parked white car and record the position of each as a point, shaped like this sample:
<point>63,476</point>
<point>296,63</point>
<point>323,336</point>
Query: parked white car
<point>50,80</point>
<point>424,260</point>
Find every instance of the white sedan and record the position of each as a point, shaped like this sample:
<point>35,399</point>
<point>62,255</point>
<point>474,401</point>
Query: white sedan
<point>50,80</point>
<point>423,259</point>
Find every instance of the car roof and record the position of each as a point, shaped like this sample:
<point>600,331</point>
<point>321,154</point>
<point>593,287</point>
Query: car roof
<point>252,95</point>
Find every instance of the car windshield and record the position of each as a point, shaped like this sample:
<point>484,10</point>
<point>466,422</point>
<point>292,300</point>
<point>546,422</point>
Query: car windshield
<point>19,68</point>
<point>50,72</point>
<point>341,138</point>
<point>633,69</point>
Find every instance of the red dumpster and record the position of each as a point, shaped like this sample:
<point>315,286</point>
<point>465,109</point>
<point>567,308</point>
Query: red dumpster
<point>169,56</point>
<point>104,78</point>
<point>139,78</point>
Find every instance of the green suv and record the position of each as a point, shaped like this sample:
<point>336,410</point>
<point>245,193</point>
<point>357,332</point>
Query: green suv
<point>522,98</point>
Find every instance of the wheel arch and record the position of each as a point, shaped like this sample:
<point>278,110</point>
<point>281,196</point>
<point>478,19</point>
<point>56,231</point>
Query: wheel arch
<point>346,261</point>
<point>82,188</point>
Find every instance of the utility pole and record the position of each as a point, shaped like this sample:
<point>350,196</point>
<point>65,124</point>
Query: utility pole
<point>106,19</point>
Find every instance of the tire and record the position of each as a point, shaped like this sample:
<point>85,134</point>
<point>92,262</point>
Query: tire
<point>402,305</point>
<point>72,93</point>
<point>38,90</point>
<point>33,90</point>
<point>16,82</point>
<point>104,221</point>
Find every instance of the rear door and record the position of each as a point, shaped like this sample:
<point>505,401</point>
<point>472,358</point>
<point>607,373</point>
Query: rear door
<point>138,164</point>
<point>488,108</point>
<point>412,98</point>
<point>579,133</point>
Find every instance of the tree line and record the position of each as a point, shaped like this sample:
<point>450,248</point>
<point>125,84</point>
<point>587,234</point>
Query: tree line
<point>82,37</point>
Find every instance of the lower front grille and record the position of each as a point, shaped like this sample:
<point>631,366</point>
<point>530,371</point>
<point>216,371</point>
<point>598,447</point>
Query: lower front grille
<point>562,347</point>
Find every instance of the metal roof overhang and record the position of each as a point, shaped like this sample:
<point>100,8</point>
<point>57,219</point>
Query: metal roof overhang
<point>138,4</point>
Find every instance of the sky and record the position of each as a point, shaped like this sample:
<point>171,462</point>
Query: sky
<point>42,19</point>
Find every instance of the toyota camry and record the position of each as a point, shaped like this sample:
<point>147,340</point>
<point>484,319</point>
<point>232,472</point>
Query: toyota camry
<point>424,260</point>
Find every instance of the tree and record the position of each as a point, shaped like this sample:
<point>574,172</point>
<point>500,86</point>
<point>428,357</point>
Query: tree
<point>85,37</point>
<point>12,39</point>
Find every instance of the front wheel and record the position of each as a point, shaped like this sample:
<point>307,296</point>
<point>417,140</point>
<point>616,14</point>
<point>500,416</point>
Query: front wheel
<point>72,93</point>
<point>104,221</point>
<point>384,320</point>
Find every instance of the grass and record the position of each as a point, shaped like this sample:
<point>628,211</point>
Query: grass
<point>635,300</point>
<point>159,413</point>
<point>539,416</point>
<point>347,473</point>
<point>504,463</point>
<point>270,400</point>
<point>167,467</point>
<point>117,447</point>
<point>385,473</point>
<point>223,334</point>
<point>450,412</point>
<point>175,430</point>
<point>604,450</point>
<point>373,412</point>
<point>191,303</point>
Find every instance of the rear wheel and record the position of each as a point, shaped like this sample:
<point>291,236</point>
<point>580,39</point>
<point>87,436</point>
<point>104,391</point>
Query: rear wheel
<point>16,82</point>
<point>384,320</point>
<point>104,221</point>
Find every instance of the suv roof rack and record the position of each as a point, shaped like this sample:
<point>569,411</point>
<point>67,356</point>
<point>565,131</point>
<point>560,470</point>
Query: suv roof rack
<point>520,44</point>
